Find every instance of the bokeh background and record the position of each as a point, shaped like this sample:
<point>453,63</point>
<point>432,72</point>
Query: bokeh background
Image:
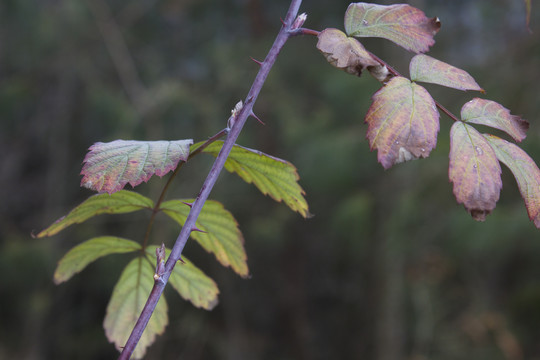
<point>390,267</point>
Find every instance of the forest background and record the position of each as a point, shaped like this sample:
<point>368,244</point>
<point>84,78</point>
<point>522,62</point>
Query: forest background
<point>390,267</point>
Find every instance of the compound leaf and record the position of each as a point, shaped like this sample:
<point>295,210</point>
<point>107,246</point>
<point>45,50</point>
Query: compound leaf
<point>222,237</point>
<point>190,282</point>
<point>493,114</point>
<point>127,301</point>
<point>427,69</point>
<point>402,122</point>
<point>108,167</point>
<point>76,259</point>
<point>474,170</point>
<point>344,52</point>
<point>525,171</point>
<point>272,176</point>
<point>118,203</point>
<point>405,25</point>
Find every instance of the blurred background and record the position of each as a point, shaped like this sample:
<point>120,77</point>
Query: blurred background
<point>390,267</point>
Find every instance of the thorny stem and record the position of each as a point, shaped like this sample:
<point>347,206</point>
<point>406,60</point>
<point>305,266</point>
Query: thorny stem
<point>189,225</point>
<point>155,210</point>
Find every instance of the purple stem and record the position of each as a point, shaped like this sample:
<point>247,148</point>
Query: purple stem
<point>245,112</point>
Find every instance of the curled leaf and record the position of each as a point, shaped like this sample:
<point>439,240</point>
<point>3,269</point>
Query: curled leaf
<point>525,171</point>
<point>402,122</point>
<point>427,69</point>
<point>108,167</point>
<point>493,114</point>
<point>120,202</point>
<point>344,52</point>
<point>474,170</point>
<point>405,25</point>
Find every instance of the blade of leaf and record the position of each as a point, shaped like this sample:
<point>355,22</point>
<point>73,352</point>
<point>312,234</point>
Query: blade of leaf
<point>108,167</point>
<point>223,238</point>
<point>403,122</point>
<point>402,24</point>
<point>427,69</point>
<point>493,114</point>
<point>272,176</point>
<point>344,52</point>
<point>120,202</point>
<point>474,170</point>
<point>127,301</point>
<point>190,282</point>
<point>76,259</point>
<point>525,171</point>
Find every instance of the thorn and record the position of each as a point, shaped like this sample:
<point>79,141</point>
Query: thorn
<point>188,204</point>
<point>283,22</point>
<point>257,61</point>
<point>199,230</point>
<point>182,261</point>
<point>256,117</point>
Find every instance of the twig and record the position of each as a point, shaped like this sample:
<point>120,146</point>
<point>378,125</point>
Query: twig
<point>189,225</point>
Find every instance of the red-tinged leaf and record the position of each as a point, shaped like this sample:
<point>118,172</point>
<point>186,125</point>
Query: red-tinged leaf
<point>120,202</point>
<point>490,113</point>
<point>427,69</point>
<point>108,167</point>
<point>525,171</point>
<point>403,122</point>
<point>474,170</point>
<point>405,25</point>
<point>344,52</point>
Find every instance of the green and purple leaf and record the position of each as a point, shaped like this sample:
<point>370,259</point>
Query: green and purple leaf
<point>427,69</point>
<point>405,25</point>
<point>403,122</point>
<point>120,202</point>
<point>108,167</point>
<point>490,113</point>
<point>190,282</point>
<point>76,259</point>
<point>474,170</point>
<point>344,52</point>
<point>525,171</point>
<point>272,176</point>
<point>222,238</point>
<point>127,301</point>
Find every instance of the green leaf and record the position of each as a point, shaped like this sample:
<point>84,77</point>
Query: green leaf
<point>402,122</point>
<point>108,167</point>
<point>405,25</point>
<point>190,282</point>
<point>223,238</point>
<point>76,259</point>
<point>344,52</point>
<point>427,69</point>
<point>474,170</point>
<point>272,176</point>
<point>127,301</point>
<point>490,113</point>
<point>120,202</point>
<point>525,171</point>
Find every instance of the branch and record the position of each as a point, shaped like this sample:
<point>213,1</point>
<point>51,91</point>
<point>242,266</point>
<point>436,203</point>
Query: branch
<point>240,120</point>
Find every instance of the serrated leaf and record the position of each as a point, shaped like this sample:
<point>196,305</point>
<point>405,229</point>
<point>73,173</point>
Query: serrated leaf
<point>490,113</point>
<point>402,24</point>
<point>108,167</point>
<point>272,176</point>
<point>474,170</point>
<point>120,202</point>
<point>76,259</point>
<point>525,171</point>
<point>190,282</point>
<point>127,301</point>
<point>223,238</point>
<point>344,52</point>
<point>402,122</point>
<point>427,69</point>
